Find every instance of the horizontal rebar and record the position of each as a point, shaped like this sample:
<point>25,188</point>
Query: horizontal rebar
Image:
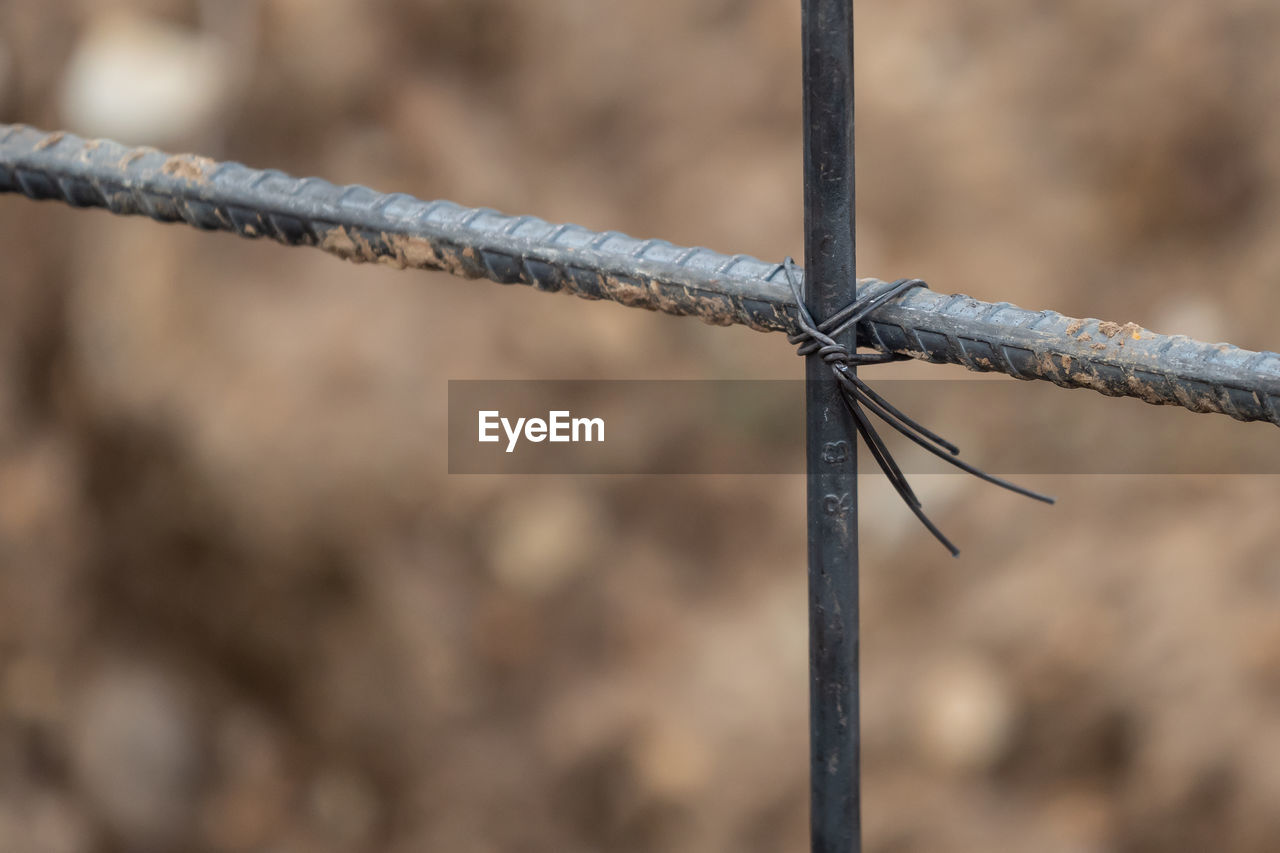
<point>359,224</point>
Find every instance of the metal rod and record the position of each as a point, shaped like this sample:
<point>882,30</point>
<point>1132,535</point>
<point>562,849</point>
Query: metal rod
<point>361,225</point>
<point>835,818</point>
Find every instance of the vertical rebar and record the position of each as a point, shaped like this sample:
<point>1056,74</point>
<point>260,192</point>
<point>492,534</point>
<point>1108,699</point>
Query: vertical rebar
<point>835,792</point>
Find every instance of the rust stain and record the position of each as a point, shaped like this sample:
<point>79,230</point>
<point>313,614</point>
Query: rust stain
<point>1085,338</point>
<point>50,140</point>
<point>189,167</point>
<point>1084,379</point>
<point>409,252</point>
<point>712,310</point>
<point>338,242</point>
<point>671,299</point>
<point>414,252</point>
<point>133,156</point>
<point>398,251</point>
<point>349,247</point>
<point>1147,392</point>
<point>1128,330</point>
<point>626,292</point>
<point>1045,365</point>
<point>363,248</point>
<point>1075,326</point>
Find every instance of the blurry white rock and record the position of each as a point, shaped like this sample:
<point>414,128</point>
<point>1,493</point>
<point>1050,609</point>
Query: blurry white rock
<point>671,761</point>
<point>540,541</point>
<point>136,754</point>
<point>965,715</point>
<point>143,81</point>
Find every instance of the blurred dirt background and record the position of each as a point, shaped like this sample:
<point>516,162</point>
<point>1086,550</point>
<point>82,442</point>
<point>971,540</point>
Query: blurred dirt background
<point>243,608</point>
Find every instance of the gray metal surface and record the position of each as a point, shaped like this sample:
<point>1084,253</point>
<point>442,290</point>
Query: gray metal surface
<point>362,225</point>
<point>835,737</point>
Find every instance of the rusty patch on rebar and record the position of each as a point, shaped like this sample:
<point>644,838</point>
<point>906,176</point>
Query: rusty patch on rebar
<point>681,300</point>
<point>1085,379</point>
<point>50,140</point>
<point>412,253</point>
<point>1085,338</point>
<point>717,312</point>
<point>189,167</point>
<point>670,300</point>
<point>1048,364</point>
<point>419,253</point>
<point>1075,326</point>
<point>362,246</point>
<point>349,247</point>
<point>710,309</point>
<point>398,251</point>
<point>627,293</point>
<point>1145,391</point>
<point>1129,330</point>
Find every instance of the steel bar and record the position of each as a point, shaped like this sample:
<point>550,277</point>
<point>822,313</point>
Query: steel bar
<point>835,790</point>
<point>361,225</point>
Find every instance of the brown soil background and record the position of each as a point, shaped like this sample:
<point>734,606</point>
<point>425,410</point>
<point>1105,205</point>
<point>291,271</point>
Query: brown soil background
<point>243,608</point>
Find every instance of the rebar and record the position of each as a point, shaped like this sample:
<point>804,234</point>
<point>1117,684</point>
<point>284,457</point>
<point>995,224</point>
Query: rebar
<point>835,742</point>
<point>819,339</point>
<point>356,223</point>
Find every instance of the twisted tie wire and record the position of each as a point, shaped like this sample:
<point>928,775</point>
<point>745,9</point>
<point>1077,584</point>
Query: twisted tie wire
<point>820,339</point>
